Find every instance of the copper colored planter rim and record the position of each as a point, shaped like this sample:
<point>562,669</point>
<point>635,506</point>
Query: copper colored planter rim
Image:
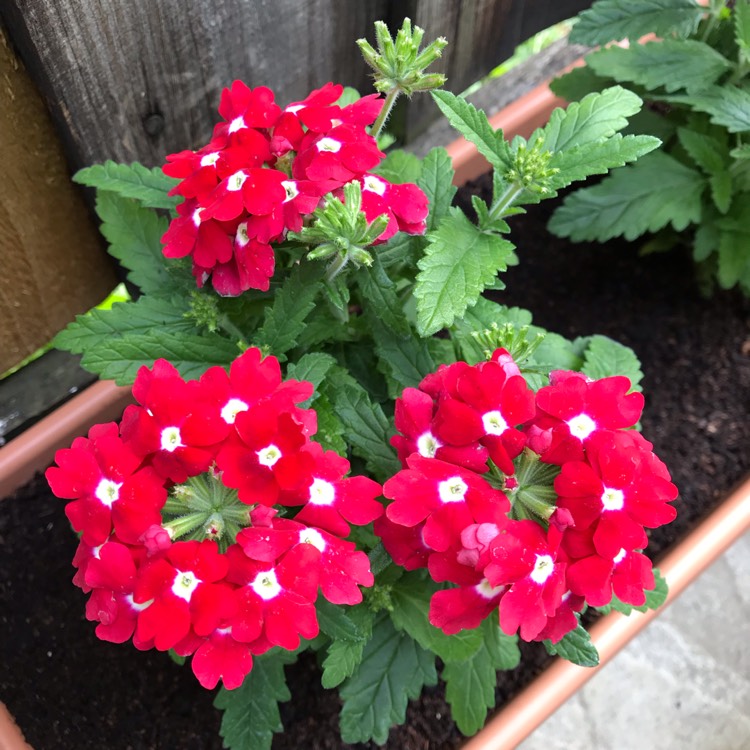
<point>34,449</point>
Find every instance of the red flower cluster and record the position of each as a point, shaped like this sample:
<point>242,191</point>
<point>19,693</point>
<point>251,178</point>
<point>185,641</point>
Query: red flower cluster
<point>265,169</point>
<point>477,506</point>
<point>213,460</point>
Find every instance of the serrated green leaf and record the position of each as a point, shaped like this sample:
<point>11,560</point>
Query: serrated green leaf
<point>556,353</point>
<point>670,64</point>
<point>654,598</point>
<point>400,166</point>
<point>577,83</point>
<point>330,432</point>
<point>405,359</point>
<point>411,596</point>
<point>481,317</point>
<point>251,712</point>
<point>741,152</point>
<point>285,320</point>
<point>643,197</point>
<point>742,27</point>
<point>473,125</point>
<point>343,623</point>
<point>120,358</point>
<point>311,367</point>
<point>595,117</point>
<point>148,186</point>
<point>401,250</point>
<point>576,647</point>
<point>394,668</point>
<point>721,190</point>
<point>706,240</point>
<point>458,264</point>
<point>436,181</point>
<point>366,427</point>
<point>734,253</point>
<point>134,235</point>
<point>705,151</point>
<point>379,296</point>
<point>342,659</point>
<point>470,686</point>
<point>605,358</point>
<point>140,317</point>
<point>728,106</point>
<point>598,158</point>
<point>612,20</point>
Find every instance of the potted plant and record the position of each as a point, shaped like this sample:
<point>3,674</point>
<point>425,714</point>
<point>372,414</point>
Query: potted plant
<point>429,313</point>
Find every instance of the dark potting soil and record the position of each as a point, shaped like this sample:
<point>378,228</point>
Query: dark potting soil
<point>69,690</point>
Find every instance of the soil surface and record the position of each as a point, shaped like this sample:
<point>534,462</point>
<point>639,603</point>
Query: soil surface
<point>69,690</point>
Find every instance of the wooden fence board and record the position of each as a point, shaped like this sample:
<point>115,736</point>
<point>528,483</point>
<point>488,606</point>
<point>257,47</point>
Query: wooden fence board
<point>53,260</point>
<point>140,79</point>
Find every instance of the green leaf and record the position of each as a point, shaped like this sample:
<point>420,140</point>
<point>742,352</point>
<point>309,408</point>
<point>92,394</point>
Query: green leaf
<point>654,598</point>
<point>401,250</point>
<point>670,64</point>
<point>612,20</point>
<point>727,105</point>
<point>741,152</point>
<point>436,181</point>
<point>330,432</point>
<point>140,317</point>
<point>366,427</point>
<point>721,190</point>
<point>470,686</point>
<point>480,318</point>
<point>458,264</point>
<point>473,125</point>
<point>400,166</point>
<point>598,158</point>
<point>379,296</point>
<point>286,318</point>
<point>604,358</point>
<point>342,658</point>
<point>643,197</point>
<point>705,151</point>
<point>734,253</point>
<point>394,668</point>
<point>742,27</point>
<point>576,647</point>
<point>577,83</point>
<point>411,596</point>
<point>405,359</point>
<point>120,358</point>
<point>311,367</point>
<point>596,117</point>
<point>342,623</point>
<point>134,235</point>
<point>251,712</point>
<point>148,186</point>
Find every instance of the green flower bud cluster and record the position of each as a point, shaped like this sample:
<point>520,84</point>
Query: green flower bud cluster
<point>340,231</point>
<point>398,64</point>
<point>531,168</point>
<point>508,337</point>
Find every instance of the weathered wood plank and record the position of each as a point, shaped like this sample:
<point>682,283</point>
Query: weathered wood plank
<point>54,264</point>
<point>140,79</point>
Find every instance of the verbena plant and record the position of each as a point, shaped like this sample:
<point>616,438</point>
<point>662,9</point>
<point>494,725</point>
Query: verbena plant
<point>695,79</point>
<point>217,520</point>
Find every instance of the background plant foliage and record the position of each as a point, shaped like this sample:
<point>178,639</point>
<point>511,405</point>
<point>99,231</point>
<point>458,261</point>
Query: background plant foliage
<point>695,80</point>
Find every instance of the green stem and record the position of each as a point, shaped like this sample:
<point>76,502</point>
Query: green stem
<point>337,266</point>
<point>505,201</point>
<point>390,100</point>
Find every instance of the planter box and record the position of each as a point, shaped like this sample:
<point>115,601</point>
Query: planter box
<point>34,450</point>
